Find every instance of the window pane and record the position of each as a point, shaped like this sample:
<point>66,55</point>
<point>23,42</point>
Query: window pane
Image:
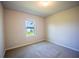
<point>30,28</point>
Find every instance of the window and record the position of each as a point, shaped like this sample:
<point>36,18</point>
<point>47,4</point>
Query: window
<point>30,28</point>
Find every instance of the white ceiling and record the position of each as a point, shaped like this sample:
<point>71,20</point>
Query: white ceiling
<point>33,7</point>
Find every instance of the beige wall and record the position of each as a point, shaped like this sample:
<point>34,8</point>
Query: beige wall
<point>15,29</point>
<point>62,28</point>
<point>1,32</point>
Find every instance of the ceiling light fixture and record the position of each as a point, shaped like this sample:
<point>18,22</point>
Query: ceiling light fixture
<point>44,3</point>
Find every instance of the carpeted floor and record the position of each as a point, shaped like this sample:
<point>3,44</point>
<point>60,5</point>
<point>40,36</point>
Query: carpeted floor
<point>42,50</point>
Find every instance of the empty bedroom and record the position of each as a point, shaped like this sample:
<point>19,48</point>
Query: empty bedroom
<point>39,29</point>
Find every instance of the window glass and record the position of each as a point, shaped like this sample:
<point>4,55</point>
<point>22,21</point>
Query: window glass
<point>30,28</point>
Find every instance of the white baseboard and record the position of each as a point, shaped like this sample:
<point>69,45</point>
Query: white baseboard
<point>66,46</point>
<point>4,53</point>
<point>23,45</point>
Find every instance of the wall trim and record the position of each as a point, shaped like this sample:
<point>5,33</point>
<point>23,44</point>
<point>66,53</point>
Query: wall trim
<point>24,45</point>
<point>4,53</point>
<point>66,46</point>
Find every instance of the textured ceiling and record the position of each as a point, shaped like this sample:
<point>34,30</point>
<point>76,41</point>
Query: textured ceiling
<point>33,7</point>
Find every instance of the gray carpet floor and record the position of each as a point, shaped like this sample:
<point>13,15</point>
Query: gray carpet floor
<point>42,50</point>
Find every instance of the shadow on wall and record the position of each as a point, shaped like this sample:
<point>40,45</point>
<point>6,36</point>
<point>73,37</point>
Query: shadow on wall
<point>1,32</point>
<point>62,28</point>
